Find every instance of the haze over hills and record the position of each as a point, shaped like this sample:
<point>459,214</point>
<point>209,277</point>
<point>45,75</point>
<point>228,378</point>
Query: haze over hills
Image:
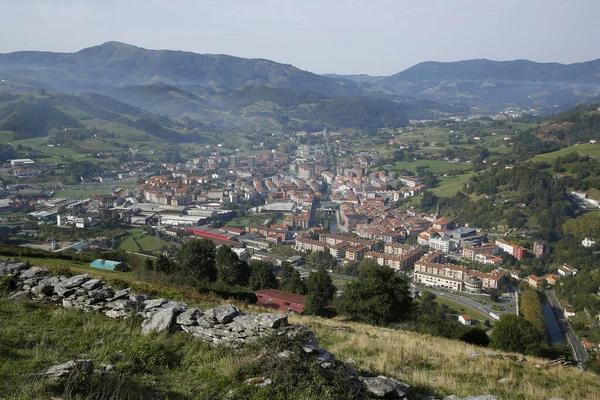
<point>496,84</point>
<point>205,86</point>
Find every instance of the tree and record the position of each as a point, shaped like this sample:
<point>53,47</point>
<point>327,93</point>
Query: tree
<point>320,292</point>
<point>476,336</point>
<point>196,260</point>
<point>290,279</point>
<point>513,333</point>
<point>230,269</point>
<point>494,295</point>
<point>532,309</point>
<point>163,264</point>
<point>378,297</point>
<point>261,276</point>
<point>149,264</point>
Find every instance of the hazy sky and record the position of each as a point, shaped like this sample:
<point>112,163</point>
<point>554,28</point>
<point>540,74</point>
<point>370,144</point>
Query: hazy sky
<point>377,37</point>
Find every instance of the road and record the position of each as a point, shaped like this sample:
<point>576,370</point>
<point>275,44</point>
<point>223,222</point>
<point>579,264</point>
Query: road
<point>469,302</point>
<point>579,351</point>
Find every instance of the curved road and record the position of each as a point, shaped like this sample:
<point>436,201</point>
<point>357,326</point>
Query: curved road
<point>463,300</point>
<point>578,350</point>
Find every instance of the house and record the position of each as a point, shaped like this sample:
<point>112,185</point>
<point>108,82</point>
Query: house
<point>567,270</point>
<point>109,265</point>
<point>465,319</point>
<point>535,281</point>
<point>281,301</point>
<point>541,248</point>
<point>588,242</point>
<point>552,279</point>
<point>569,312</point>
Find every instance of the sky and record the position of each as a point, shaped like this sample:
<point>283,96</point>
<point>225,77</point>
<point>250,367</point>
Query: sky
<point>375,37</point>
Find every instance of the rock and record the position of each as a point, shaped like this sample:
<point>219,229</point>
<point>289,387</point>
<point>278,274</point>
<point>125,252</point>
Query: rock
<point>119,304</point>
<point>116,313</point>
<point>223,314</point>
<point>161,321</point>
<point>121,294</point>
<point>272,321</point>
<point>92,284</point>
<point>484,397</point>
<point>285,354</point>
<point>382,387</point>
<point>34,272</point>
<point>65,369</point>
<point>244,323</point>
<point>76,281</point>
<point>189,317</point>
<point>63,291</point>
<point>139,298</point>
<point>258,382</point>
<point>503,380</point>
<point>154,303</point>
<point>473,355</point>
<point>13,268</point>
<point>102,294</point>
<point>20,295</point>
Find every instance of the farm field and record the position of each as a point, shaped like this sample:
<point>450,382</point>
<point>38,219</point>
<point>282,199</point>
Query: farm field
<point>449,186</point>
<point>592,150</point>
<point>434,166</point>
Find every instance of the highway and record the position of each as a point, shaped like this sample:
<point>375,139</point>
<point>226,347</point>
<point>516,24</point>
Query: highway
<point>579,351</point>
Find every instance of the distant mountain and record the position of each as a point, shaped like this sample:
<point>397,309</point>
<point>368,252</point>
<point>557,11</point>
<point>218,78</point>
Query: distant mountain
<point>499,84</point>
<point>358,78</point>
<point>115,64</point>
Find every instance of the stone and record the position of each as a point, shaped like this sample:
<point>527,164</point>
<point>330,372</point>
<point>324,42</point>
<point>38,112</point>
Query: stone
<point>121,294</point>
<point>382,387</point>
<point>34,272</point>
<point>116,313</point>
<point>122,304</point>
<point>484,397</point>
<point>92,284</point>
<point>244,323</point>
<point>503,380</point>
<point>272,321</point>
<point>76,281</point>
<point>285,354</point>
<point>258,382</point>
<point>223,314</point>
<point>63,291</point>
<point>13,268</point>
<point>139,298</point>
<point>473,355</point>
<point>154,303</point>
<point>65,369</point>
<point>21,295</point>
<point>189,317</point>
<point>102,294</point>
<point>161,321</point>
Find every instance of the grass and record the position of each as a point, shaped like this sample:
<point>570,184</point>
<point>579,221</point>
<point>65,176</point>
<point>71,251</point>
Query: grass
<point>592,150</point>
<point>35,336</point>
<point>432,365</point>
<point>434,166</point>
<point>448,187</point>
<point>443,367</point>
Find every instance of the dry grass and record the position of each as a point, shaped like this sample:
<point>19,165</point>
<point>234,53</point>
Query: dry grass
<point>443,367</point>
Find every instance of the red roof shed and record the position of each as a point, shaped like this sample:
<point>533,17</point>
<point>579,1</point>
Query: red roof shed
<point>280,300</point>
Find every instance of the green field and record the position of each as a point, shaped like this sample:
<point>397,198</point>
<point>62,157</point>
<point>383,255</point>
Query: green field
<point>449,186</point>
<point>592,150</point>
<point>434,166</point>
<point>136,241</point>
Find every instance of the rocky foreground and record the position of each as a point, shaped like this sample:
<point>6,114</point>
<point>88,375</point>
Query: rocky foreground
<point>224,325</point>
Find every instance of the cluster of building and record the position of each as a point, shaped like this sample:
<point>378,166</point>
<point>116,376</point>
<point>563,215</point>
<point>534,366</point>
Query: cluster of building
<point>432,271</point>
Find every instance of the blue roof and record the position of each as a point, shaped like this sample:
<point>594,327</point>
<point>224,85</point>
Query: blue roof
<point>104,264</point>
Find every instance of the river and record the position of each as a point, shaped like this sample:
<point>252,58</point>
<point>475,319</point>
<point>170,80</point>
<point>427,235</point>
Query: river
<point>552,327</point>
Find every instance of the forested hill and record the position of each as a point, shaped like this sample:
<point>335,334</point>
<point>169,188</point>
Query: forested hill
<point>497,84</point>
<point>115,64</point>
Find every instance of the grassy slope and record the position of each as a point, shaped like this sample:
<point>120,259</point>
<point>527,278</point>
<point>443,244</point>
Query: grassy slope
<point>592,150</point>
<point>433,365</point>
<point>34,337</point>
